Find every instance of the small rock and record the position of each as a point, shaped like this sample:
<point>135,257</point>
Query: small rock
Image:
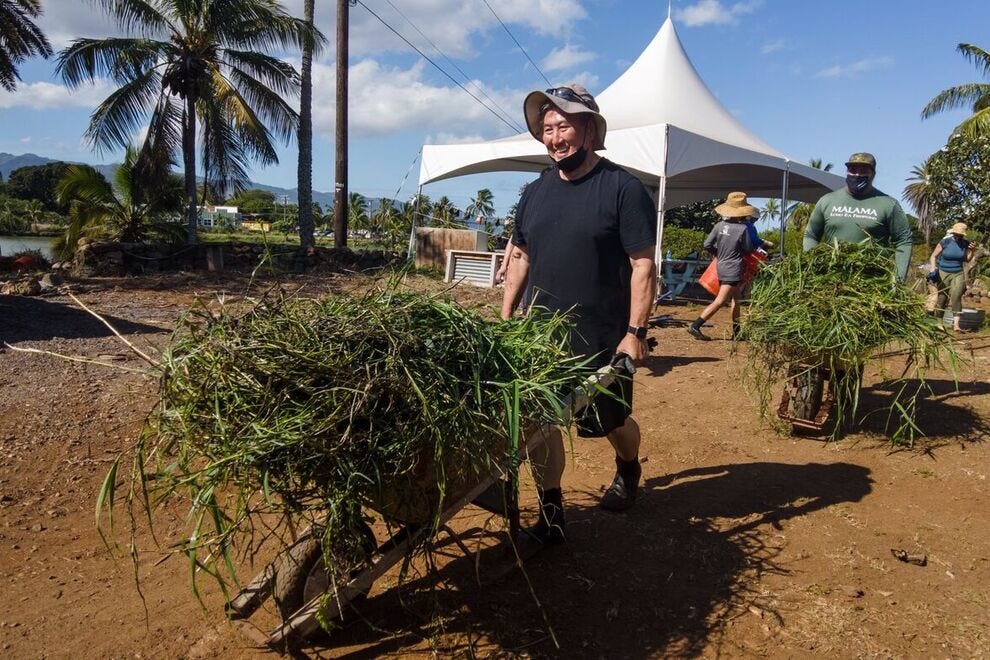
<point>37,527</point>
<point>918,559</point>
<point>852,592</point>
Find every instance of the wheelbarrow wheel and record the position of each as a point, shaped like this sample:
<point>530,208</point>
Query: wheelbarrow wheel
<point>808,391</point>
<point>301,576</point>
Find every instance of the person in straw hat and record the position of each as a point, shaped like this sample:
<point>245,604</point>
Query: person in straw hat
<point>858,212</point>
<point>583,242</point>
<point>947,260</point>
<point>729,241</point>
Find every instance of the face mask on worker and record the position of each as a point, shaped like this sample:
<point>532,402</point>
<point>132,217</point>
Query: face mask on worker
<point>574,161</point>
<point>858,183</point>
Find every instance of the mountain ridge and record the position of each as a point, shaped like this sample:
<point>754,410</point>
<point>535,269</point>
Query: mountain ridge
<point>10,162</point>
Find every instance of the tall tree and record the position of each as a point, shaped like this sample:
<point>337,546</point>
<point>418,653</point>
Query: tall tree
<point>307,239</point>
<point>771,210</point>
<point>481,206</point>
<point>445,213</point>
<point>194,60</point>
<point>143,198</point>
<point>20,38</point>
<point>357,211</point>
<point>973,96</point>
<point>918,193</point>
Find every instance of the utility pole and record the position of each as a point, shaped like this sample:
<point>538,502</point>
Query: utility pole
<point>340,175</point>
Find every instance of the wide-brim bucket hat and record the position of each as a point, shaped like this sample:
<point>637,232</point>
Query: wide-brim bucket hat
<point>958,228</point>
<point>736,206</point>
<point>571,99</point>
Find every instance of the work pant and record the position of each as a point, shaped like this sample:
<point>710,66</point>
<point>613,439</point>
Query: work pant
<point>951,289</point>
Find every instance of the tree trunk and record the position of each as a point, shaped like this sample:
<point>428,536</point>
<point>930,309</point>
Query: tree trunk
<point>340,198</point>
<point>305,172</point>
<point>189,163</point>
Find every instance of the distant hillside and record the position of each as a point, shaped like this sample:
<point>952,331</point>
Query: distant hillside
<point>10,162</point>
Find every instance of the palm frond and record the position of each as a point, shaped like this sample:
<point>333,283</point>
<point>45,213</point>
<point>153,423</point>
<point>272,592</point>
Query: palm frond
<point>960,96</point>
<point>252,98</point>
<point>84,60</point>
<point>137,16</point>
<point>20,37</point>
<point>976,56</point>
<point>281,77</point>
<point>116,120</point>
<point>976,124</point>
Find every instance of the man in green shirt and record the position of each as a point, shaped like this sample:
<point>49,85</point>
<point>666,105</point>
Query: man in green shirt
<point>860,211</point>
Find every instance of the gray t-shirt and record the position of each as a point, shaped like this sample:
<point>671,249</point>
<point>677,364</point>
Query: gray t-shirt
<point>729,242</point>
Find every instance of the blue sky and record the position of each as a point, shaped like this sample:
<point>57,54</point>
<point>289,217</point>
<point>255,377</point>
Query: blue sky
<point>813,79</point>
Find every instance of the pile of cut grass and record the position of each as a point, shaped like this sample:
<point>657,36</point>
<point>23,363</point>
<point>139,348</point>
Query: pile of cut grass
<point>834,308</point>
<point>308,412</point>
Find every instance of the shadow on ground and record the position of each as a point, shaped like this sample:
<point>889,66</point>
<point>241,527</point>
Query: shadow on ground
<point>660,580</point>
<point>941,411</point>
<point>25,319</point>
<point>662,364</point>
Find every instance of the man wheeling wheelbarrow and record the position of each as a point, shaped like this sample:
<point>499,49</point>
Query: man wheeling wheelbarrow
<point>585,236</point>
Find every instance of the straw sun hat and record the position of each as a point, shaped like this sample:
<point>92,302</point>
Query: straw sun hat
<point>959,228</point>
<point>736,206</point>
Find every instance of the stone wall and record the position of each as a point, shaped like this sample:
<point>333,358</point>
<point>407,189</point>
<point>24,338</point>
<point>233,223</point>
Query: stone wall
<point>103,259</point>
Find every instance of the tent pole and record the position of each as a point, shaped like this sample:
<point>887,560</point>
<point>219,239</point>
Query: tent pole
<point>411,249</point>
<point>661,199</point>
<point>783,204</point>
<point>661,203</point>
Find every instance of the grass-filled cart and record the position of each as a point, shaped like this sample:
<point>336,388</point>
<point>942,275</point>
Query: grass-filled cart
<point>298,422</point>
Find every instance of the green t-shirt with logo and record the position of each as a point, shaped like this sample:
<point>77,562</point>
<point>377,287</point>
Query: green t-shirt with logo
<point>840,216</point>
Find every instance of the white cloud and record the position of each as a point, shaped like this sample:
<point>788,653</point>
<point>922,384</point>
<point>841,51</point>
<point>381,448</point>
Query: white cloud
<point>565,58</point>
<point>713,12</point>
<point>854,68</point>
<point>459,29</point>
<point>46,96</point>
<point>773,46</point>
<point>384,100</point>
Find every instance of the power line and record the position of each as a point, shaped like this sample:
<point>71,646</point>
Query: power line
<point>453,64</point>
<point>426,57</point>
<point>505,27</point>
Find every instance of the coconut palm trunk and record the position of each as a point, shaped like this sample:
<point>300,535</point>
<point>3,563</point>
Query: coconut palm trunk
<point>189,165</point>
<point>305,168</point>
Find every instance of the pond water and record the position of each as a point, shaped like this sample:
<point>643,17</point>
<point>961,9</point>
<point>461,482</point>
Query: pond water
<point>12,244</point>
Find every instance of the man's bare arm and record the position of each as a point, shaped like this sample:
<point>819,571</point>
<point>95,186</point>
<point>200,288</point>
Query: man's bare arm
<point>643,290</point>
<point>516,276</point>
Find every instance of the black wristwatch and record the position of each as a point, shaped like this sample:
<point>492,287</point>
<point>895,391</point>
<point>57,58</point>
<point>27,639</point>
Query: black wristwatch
<point>637,330</point>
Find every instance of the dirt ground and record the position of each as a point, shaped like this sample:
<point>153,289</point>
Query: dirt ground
<point>745,542</point>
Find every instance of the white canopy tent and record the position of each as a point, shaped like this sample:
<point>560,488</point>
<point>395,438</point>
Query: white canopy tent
<point>666,127</point>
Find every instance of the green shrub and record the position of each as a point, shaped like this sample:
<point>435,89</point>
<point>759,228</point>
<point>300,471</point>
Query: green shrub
<point>681,242</point>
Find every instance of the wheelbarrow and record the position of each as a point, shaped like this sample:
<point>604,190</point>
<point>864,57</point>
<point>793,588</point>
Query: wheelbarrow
<point>298,580</point>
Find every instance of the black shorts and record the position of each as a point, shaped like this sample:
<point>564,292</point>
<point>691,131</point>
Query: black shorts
<point>606,412</point>
<point>732,283</point>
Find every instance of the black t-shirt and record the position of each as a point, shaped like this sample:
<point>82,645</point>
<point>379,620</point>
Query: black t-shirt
<point>579,235</point>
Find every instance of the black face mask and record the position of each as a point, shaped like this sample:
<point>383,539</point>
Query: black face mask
<point>857,183</point>
<point>572,162</point>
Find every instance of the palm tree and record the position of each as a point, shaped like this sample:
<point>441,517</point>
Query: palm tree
<point>140,203</point>
<point>388,220</point>
<point>817,164</point>
<point>445,213</point>
<point>771,210</point>
<point>20,38</point>
<point>918,193</point>
<point>798,213</point>
<point>307,240</point>
<point>974,96</point>
<point>357,211</point>
<point>482,206</point>
<point>194,60</point>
